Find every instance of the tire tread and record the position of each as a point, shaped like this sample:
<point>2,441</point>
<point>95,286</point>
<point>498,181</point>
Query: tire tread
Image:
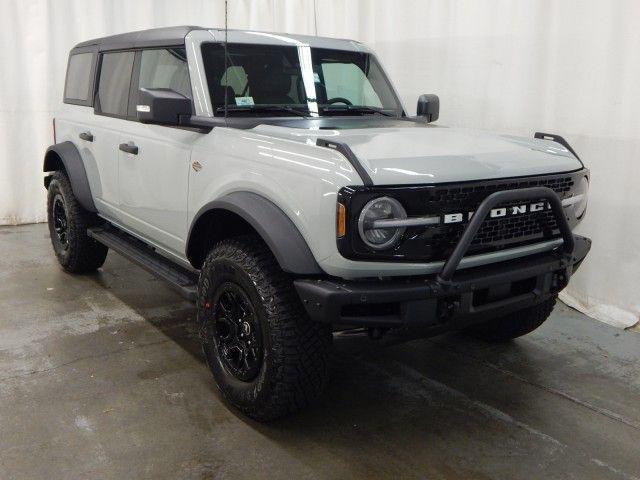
<point>301,347</point>
<point>85,254</point>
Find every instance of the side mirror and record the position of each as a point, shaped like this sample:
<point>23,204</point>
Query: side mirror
<point>428,107</point>
<point>163,106</point>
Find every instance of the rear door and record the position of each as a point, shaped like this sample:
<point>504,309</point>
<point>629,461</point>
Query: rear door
<point>110,120</point>
<point>154,174</point>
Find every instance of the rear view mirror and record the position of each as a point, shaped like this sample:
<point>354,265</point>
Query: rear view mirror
<point>163,106</point>
<point>428,107</point>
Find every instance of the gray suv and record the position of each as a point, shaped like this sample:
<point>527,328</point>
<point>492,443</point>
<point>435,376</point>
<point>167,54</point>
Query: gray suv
<point>278,181</point>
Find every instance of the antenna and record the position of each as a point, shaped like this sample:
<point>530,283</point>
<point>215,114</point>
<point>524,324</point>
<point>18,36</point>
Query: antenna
<point>315,18</point>
<point>226,55</point>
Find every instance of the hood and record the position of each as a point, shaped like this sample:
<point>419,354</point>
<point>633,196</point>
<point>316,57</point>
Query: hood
<point>417,153</point>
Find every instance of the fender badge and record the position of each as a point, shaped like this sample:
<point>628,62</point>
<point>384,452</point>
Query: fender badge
<point>196,166</point>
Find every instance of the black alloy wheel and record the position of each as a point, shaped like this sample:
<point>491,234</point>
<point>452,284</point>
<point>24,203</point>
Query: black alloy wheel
<point>60,224</point>
<point>236,332</point>
<point>68,223</point>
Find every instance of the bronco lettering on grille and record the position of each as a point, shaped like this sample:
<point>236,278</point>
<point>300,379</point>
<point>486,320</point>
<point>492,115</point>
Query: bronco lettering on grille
<point>498,212</point>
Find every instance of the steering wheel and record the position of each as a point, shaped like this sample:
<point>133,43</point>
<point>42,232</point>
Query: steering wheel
<point>333,100</point>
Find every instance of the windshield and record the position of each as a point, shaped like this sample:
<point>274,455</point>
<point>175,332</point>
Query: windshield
<point>296,80</point>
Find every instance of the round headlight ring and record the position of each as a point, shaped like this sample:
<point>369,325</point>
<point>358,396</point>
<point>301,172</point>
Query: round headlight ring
<point>580,206</point>
<point>381,208</point>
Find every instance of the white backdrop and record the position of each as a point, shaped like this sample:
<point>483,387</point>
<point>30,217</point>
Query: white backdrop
<point>567,67</point>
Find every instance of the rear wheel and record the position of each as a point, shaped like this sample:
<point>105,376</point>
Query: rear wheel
<point>68,222</point>
<point>267,358</point>
<point>515,324</point>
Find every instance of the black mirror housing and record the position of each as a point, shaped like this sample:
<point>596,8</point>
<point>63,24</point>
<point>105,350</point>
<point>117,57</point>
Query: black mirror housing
<point>163,106</point>
<point>428,107</point>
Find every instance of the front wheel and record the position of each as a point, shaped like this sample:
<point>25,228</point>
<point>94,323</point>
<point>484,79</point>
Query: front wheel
<point>266,356</point>
<point>515,324</point>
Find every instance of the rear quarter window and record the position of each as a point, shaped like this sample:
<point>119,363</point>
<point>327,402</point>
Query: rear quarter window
<point>79,78</point>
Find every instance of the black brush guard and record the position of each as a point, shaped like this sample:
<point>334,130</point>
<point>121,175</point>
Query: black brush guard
<point>492,201</point>
<point>453,298</point>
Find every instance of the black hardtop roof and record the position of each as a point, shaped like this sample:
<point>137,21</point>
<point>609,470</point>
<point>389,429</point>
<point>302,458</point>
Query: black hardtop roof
<point>174,36</point>
<point>154,37</point>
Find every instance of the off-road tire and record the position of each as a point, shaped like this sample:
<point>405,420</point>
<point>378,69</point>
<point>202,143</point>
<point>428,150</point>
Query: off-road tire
<point>516,324</point>
<point>295,359</point>
<point>81,253</point>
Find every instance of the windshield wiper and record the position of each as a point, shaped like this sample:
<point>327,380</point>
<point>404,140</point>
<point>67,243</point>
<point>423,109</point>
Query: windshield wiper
<point>261,108</point>
<point>357,109</point>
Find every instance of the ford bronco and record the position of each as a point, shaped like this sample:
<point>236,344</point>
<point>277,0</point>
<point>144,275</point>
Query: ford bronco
<point>278,181</point>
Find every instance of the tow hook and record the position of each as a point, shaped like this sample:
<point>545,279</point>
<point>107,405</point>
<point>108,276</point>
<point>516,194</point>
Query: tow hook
<point>559,281</point>
<point>447,308</point>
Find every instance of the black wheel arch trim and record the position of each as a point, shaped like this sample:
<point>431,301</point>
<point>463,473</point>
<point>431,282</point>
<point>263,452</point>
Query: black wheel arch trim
<point>272,224</point>
<point>74,167</point>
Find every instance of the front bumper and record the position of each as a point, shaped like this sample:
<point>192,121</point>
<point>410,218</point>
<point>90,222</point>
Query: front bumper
<point>472,296</point>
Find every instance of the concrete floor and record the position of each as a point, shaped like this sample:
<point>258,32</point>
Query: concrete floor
<point>101,377</point>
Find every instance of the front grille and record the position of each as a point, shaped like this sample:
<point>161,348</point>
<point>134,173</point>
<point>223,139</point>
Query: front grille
<point>473,193</point>
<point>501,229</point>
<point>495,233</point>
<point>437,242</point>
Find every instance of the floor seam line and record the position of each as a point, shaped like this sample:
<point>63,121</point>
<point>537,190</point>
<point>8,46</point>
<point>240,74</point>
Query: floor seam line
<point>601,411</point>
<point>79,359</point>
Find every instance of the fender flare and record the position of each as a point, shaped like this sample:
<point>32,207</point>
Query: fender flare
<point>73,165</point>
<point>272,224</point>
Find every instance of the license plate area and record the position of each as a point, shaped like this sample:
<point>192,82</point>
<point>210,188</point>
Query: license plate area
<point>502,291</point>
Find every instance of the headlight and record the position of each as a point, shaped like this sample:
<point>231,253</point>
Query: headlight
<point>383,208</point>
<point>581,205</point>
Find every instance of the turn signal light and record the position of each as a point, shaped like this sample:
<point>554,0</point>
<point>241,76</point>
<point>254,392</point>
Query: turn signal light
<point>342,220</point>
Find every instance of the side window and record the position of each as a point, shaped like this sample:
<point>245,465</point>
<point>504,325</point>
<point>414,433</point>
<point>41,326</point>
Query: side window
<point>165,68</point>
<point>78,83</point>
<point>113,86</point>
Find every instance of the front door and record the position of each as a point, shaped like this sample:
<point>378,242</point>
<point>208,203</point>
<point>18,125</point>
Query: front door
<point>154,160</point>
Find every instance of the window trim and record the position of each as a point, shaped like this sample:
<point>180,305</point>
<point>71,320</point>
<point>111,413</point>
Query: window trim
<point>93,49</point>
<point>134,82</point>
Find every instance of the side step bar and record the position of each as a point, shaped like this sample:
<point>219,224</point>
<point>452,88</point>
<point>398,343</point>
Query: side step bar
<point>179,279</point>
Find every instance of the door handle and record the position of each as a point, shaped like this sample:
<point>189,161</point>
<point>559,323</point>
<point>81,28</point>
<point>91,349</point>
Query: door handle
<point>129,148</point>
<point>86,136</point>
